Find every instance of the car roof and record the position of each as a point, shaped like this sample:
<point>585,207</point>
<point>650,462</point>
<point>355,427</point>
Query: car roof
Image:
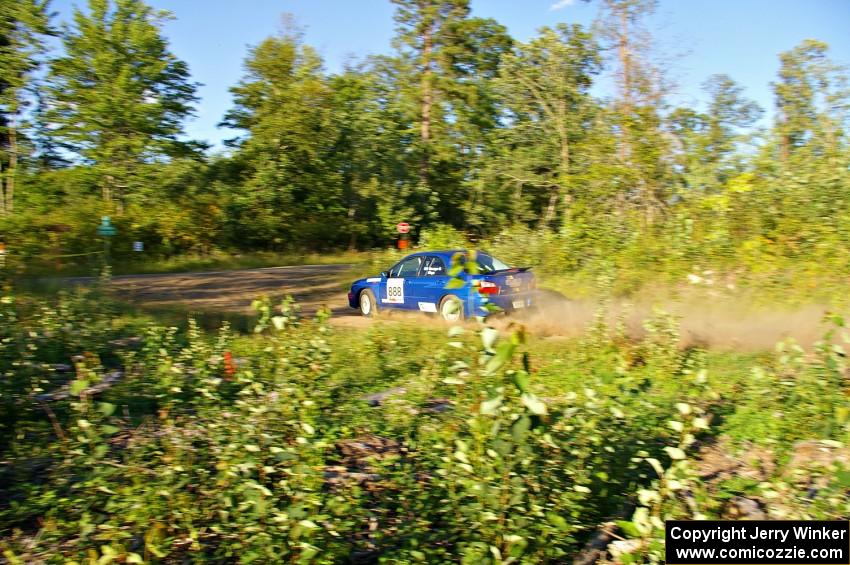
<point>440,252</point>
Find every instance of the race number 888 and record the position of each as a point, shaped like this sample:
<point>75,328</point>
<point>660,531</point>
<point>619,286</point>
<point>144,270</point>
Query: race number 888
<point>395,291</point>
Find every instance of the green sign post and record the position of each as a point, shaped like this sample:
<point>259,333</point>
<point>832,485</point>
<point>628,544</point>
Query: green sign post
<point>106,230</point>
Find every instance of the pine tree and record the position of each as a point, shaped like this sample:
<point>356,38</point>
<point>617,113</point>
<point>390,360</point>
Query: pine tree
<point>443,71</point>
<point>644,175</point>
<point>23,25</point>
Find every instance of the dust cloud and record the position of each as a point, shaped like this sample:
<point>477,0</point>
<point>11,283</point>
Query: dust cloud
<point>717,322</point>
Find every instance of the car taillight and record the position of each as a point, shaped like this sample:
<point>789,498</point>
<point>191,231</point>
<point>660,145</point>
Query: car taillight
<point>350,296</point>
<point>487,287</point>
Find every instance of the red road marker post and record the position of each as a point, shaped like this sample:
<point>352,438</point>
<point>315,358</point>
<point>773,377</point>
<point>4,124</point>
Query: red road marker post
<point>403,228</point>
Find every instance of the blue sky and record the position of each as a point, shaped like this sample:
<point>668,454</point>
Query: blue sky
<point>741,38</point>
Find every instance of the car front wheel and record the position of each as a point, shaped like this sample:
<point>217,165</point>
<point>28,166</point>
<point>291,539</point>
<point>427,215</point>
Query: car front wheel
<point>368,304</point>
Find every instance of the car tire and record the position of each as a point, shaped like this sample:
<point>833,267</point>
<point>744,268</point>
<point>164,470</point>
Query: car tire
<point>367,303</point>
<point>451,309</point>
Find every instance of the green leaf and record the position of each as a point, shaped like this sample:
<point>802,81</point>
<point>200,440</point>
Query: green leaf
<point>491,405</point>
<point>455,283</point>
<point>842,478</point>
<point>520,429</point>
<point>106,408</point>
<point>456,331</point>
<point>308,553</point>
<point>557,521</point>
<point>656,465</point>
<point>488,337</point>
<point>108,429</point>
<point>79,386</point>
<point>520,380</point>
<point>494,364</point>
<point>628,528</point>
<point>675,453</point>
<point>503,354</point>
<point>534,404</point>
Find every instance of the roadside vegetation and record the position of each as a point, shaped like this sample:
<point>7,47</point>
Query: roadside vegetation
<point>396,443</point>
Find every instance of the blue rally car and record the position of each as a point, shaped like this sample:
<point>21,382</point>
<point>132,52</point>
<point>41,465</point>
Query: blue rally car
<point>423,281</point>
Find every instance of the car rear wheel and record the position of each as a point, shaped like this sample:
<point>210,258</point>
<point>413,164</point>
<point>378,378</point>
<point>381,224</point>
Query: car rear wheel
<point>368,304</point>
<point>451,309</point>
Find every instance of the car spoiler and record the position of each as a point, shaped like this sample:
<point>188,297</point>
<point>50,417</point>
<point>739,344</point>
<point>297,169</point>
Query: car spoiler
<point>511,270</point>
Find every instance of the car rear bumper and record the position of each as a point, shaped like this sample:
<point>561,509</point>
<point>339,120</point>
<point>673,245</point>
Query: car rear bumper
<point>508,303</point>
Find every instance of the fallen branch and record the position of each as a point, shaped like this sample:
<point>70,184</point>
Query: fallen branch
<point>65,391</point>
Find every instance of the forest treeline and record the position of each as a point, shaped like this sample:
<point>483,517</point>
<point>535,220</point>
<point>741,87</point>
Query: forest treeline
<point>461,129</point>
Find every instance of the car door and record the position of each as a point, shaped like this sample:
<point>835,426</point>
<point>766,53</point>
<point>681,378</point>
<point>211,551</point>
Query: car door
<point>401,282</point>
<point>434,276</point>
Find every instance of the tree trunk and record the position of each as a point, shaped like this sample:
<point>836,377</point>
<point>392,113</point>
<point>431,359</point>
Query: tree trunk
<point>2,191</point>
<point>565,175</point>
<point>352,243</point>
<point>623,53</point>
<point>550,209</point>
<point>13,169</point>
<point>427,101</point>
<point>564,181</point>
<point>107,189</point>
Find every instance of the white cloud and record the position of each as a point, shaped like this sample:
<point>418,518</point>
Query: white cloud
<point>561,4</point>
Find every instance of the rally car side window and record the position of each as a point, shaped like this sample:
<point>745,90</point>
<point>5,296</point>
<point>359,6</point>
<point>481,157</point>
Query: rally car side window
<point>433,267</point>
<point>407,268</point>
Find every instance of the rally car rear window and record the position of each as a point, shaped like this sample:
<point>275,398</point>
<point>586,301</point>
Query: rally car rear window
<point>490,264</point>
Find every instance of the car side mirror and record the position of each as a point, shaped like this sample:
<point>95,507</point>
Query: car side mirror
<point>384,274</point>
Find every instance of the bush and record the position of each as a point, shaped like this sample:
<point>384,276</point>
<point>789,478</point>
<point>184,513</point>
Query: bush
<point>259,448</point>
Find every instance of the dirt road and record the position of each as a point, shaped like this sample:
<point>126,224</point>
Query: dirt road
<point>232,291</point>
<point>726,323</point>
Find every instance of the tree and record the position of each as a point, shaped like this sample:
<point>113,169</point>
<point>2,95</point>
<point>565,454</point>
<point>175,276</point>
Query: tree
<point>811,100</point>
<point>119,96</point>
<point>644,175</point>
<point>708,143</point>
<point>546,85</point>
<point>803,166</point>
<point>367,154</point>
<point>443,71</point>
<point>421,24</point>
<point>23,24</point>
<point>284,105</point>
